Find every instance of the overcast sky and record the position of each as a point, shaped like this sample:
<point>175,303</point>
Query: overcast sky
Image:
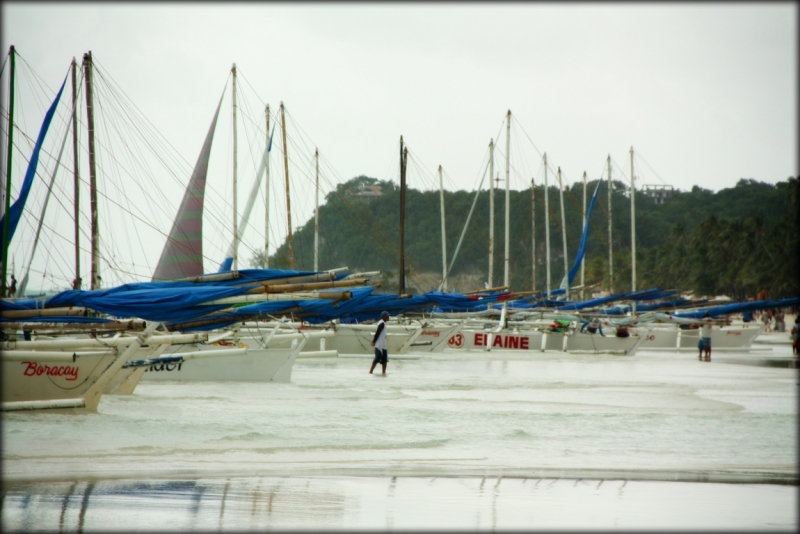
<point>706,94</point>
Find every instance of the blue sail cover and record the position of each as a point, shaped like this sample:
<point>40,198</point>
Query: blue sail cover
<point>534,301</point>
<point>152,304</point>
<point>574,306</point>
<point>311,310</point>
<point>169,302</point>
<point>655,306</point>
<point>738,307</point>
<point>457,302</point>
<point>562,305</point>
<point>15,211</point>
<point>371,308</point>
<point>567,281</point>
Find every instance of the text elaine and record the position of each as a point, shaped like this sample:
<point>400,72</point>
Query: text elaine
<point>505,342</point>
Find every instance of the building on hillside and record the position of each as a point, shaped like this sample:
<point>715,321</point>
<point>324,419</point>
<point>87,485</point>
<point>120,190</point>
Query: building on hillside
<point>659,193</point>
<point>369,192</point>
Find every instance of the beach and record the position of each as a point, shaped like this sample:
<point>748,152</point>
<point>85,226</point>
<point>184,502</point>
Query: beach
<point>502,440</point>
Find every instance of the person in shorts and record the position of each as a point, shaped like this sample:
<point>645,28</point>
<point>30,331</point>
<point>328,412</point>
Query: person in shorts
<point>705,339</point>
<point>379,342</point>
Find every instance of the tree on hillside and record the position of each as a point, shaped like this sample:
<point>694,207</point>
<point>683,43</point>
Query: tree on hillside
<point>735,241</point>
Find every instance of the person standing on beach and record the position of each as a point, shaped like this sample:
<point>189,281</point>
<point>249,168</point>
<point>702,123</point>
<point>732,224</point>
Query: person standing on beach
<point>705,339</point>
<point>379,342</point>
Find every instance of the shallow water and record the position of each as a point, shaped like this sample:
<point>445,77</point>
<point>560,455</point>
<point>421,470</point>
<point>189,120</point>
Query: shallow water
<point>440,427</point>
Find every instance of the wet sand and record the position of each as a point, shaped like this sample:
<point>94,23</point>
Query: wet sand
<point>454,441</point>
<point>386,503</point>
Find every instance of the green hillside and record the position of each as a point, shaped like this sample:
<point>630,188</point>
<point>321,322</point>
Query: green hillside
<point>737,241</point>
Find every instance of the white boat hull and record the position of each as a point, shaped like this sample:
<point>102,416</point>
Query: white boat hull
<point>727,337</point>
<point>658,338</point>
<point>25,381</point>
<point>257,365</point>
<point>400,339</point>
<point>40,381</point>
<point>537,341</point>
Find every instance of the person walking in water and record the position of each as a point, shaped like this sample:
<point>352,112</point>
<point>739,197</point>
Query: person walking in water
<point>379,342</point>
<point>705,339</point>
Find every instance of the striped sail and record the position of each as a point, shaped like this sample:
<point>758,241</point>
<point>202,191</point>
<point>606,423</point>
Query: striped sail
<point>182,255</point>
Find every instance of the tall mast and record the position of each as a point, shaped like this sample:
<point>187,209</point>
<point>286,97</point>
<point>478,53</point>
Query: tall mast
<point>235,181</point>
<point>508,207</point>
<point>563,229</point>
<point>533,238</point>
<point>288,200</point>
<point>633,234</point>
<point>546,224</point>
<point>76,174</point>
<point>88,68</point>
<point>401,272</point>
<point>583,259</point>
<point>7,211</point>
<point>316,212</point>
<point>444,238</point>
<point>266,195</point>
<point>491,212</point>
<point>610,257</point>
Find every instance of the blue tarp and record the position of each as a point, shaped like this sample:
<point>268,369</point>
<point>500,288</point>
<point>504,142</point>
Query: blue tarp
<point>563,305</point>
<point>738,307</point>
<point>534,301</point>
<point>21,304</point>
<point>313,310</point>
<point>456,302</point>
<point>152,304</point>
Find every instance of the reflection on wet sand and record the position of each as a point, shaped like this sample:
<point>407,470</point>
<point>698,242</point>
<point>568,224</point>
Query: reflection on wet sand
<point>335,503</point>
